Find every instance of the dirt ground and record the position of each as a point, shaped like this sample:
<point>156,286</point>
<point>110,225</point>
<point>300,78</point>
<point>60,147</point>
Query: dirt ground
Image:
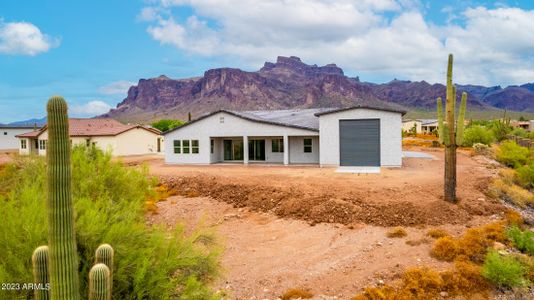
<point>314,229</point>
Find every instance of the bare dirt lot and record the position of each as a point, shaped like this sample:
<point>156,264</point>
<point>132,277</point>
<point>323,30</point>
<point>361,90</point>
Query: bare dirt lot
<point>312,228</point>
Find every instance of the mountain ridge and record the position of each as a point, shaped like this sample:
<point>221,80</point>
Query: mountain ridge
<point>290,83</point>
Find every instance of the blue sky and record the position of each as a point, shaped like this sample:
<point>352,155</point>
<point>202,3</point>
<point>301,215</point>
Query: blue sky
<point>90,52</point>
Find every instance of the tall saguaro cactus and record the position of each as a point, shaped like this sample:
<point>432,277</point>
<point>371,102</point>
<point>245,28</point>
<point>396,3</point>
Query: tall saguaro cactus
<point>451,132</point>
<point>57,263</point>
<point>64,279</point>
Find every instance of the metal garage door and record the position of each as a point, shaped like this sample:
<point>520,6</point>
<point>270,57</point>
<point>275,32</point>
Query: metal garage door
<point>359,142</point>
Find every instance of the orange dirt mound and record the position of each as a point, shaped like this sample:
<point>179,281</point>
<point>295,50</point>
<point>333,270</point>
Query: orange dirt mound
<point>318,207</point>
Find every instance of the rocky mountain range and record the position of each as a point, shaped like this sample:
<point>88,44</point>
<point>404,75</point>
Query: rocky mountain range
<point>290,83</point>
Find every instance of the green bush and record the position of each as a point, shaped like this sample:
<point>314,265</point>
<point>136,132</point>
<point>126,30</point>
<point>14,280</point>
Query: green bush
<point>477,134</point>
<point>513,155</point>
<point>525,176</point>
<point>500,129</point>
<point>522,240</point>
<point>520,132</point>
<point>151,262</point>
<point>167,124</point>
<point>504,271</point>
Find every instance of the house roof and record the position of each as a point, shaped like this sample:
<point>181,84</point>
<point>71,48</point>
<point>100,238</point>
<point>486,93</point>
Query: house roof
<point>403,112</point>
<point>93,127</point>
<point>428,121</point>
<point>296,118</point>
<point>30,134</point>
<point>8,126</point>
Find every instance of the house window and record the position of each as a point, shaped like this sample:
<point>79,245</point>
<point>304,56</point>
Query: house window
<point>36,144</point>
<point>42,144</point>
<point>87,142</point>
<point>22,144</point>
<point>5,132</point>
<point>221,120</point>
<point>177,148</point>
<point>212,146</point>
<point>307,145</point>
<point>277,145</point>
<point>194,146</point>
<point>185,146</point>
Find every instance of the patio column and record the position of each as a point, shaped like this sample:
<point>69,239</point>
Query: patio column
<point>245,149</point>
<point>286,150</point>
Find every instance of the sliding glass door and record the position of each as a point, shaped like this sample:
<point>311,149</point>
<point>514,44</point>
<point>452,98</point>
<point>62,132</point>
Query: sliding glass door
<point>233,150</point>
<point>256,149</point>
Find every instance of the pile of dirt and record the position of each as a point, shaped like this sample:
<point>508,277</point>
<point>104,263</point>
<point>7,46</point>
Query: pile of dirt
<point>329,207</point>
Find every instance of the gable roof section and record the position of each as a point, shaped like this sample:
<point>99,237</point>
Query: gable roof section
<point>402,112</point>
<point>293,118</point>
<point>94,127</point>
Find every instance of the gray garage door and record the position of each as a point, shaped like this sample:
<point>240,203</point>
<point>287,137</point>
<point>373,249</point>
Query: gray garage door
<point>359,142</point>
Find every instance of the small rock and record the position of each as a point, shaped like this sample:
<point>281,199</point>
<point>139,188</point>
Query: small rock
<point>380,282</point>
<point>499,246</point>
<point>444,294</point>
<point>503,252</point>
<point>379,244</point>
<point>481,199</point>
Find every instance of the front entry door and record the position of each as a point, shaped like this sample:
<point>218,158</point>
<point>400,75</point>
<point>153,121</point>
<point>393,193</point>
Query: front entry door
<point>256,149</point>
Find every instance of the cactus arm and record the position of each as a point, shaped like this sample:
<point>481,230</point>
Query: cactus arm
<point>99,283</point>
<point>449,105</point>
<point>40,259</point>
<point>64,281</point>
<point>460,122</point>
<point>440,121</point>
<point>104,254</point>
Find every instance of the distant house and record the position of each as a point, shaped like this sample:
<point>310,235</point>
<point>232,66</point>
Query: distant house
<point>520,124</point>
<point>429,126</point>
<point>8,135</point>
<point>360,136</point>
<point>409,124</point>
<point>531,125</point>
<point>104,133</point>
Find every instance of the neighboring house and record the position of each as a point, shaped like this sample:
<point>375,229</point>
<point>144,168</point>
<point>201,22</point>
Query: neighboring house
<point>357,136</point>
<point>104,133</point>
<point>408,125</point>
<point>531,125</point>
<point>428,126</point>
<point>520,124</point>
<point>8,135</point>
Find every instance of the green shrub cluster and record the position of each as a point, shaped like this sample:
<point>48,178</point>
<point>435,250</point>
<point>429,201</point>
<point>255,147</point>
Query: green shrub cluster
<point>525,176</point>
<point>151,262</point>
<point>505,271</point>
<point>477,134</point>
<point>513,155</point>
<point>522,240</point>
<point>167,124</point>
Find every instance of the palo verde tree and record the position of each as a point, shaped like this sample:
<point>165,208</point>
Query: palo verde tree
<point>450,132</point>
<point>57,263</point>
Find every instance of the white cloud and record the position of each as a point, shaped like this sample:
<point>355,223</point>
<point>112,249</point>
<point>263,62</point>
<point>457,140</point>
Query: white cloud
<point>116,88</point>
<point>22,38</point>
<point>91,108</point>
<point>386,38</point>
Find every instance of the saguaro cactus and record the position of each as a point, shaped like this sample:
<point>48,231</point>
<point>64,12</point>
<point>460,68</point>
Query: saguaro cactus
<point>99,282</point>
<point>40,259</point>
<point>64,279</point>
<point>451,132</point>
<point>104,254</point>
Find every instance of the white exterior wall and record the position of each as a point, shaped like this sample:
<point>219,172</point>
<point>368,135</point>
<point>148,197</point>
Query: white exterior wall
<point>408,125</point>
<point>390,135</point>
<point>8,139</point>
<point>296,150</point>
<point>211,127</point>
<point>132,142</point>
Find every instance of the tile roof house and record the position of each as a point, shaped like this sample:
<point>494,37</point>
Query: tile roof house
<point>108,134</point>
<point>9,133</point>
<point>359,136</point>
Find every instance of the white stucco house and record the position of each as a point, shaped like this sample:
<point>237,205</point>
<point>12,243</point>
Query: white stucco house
<point>105,133</point>
<point>359,136</point>
<point>8,135</point>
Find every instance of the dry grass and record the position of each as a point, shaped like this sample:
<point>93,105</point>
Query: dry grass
<point>397,232</point>
<point>416,142</point>
<point>296,294</point>
<point>502,188</point>
<point>445,248</point>
<point>512,217</point>
<point>437,233</point>
<point>418,242</point>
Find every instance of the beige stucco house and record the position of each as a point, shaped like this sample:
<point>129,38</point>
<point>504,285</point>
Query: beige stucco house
<point>105,133</point>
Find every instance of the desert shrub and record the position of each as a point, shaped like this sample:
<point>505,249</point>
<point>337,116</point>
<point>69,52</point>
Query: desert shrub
<point>511,192</point>
<point>521,240</point>
<point>150,262</point>
<point>445,248</point>
<point>499,129</point>
<point>525,176</point>
<point>520,132</point>
<point>513,218</point>
<point>465,277</point>
<point>296,294</point>
<point>481,149</point>
<point>418,242</point>
<point>504,271</point>
<point>436,233</point>
<point>167,124</point>
<point>513,155</point>
<point>396,232</point>
<point>477,134</point>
